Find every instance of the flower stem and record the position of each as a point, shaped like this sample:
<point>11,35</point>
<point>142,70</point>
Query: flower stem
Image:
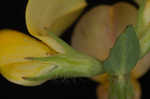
<point>120,87</point>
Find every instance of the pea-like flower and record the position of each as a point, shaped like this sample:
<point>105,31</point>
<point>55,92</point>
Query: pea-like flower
<point>28,61</point>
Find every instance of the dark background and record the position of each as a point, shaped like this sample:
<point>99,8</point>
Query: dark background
<point>12,16</point>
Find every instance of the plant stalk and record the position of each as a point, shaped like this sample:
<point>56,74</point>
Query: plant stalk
<point>121,87</point>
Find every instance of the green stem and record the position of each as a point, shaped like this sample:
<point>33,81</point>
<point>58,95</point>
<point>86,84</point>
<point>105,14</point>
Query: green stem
<point>120,87</point>
<point>140,24</point>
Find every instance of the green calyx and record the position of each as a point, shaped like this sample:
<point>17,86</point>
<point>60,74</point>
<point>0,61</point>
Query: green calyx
<point>68,64</point>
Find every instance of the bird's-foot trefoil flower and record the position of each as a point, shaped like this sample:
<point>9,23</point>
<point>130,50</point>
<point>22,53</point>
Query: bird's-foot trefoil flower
<point>29,62</point>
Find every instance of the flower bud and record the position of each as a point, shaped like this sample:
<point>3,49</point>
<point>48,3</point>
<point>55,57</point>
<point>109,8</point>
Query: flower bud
<point>15,46</point>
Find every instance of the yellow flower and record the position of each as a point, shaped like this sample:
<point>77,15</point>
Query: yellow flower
<point>30,62</point>
<point>42,16</point>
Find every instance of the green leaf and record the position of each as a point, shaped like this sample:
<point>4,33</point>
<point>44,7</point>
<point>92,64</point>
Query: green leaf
<point>125,53</point>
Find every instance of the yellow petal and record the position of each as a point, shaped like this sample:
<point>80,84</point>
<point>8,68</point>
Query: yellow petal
<point>16,71</point>
<point>15,46</point>
<point>52,15</point>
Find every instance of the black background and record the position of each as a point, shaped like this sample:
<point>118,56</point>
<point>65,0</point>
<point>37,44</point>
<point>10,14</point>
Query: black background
<point>12,16</point>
